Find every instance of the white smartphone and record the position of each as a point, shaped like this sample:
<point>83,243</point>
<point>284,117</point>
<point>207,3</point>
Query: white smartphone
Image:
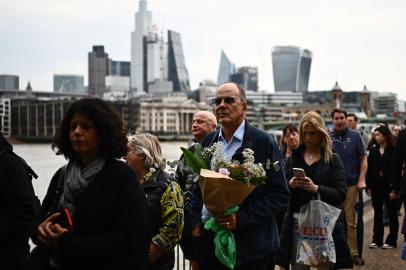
<point>299,172</point>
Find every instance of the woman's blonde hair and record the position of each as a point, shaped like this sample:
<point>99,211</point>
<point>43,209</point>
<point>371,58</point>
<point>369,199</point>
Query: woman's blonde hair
<point>148,146</point>
<point>314,119</point>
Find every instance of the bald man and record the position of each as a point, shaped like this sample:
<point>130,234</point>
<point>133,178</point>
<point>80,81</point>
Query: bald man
<point>253,225</point>
<point>204,122</point>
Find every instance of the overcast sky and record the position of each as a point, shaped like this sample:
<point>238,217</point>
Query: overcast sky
<point>356,42</point>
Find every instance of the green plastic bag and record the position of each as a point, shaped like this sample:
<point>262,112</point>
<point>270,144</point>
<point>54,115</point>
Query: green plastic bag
<point>224,242</point>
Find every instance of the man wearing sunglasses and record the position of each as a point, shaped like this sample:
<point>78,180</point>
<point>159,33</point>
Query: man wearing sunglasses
<point>253,225</point>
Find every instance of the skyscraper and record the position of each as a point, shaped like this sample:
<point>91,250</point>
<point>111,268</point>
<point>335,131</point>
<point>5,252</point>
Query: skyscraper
<point>9,82</point>
<point>226,69</point>
<point>143,24</point>
<point>291,68</point>
<point>66,83</point>
<point>156,66</point>
<point>98,70</point>
<point>177,71</point>
<point>247,77</point>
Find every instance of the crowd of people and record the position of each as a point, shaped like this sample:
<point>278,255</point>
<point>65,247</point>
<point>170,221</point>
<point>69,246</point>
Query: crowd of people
<point>102,213</point>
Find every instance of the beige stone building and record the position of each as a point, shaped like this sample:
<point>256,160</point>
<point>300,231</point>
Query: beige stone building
<point>166,116</point>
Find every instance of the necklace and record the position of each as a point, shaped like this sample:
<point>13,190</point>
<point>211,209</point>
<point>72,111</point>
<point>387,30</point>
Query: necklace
<point>311,156</point>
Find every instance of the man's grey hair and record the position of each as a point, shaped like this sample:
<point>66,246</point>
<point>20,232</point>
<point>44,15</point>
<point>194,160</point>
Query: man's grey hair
<point>241,90</point>
<point>243,97</point>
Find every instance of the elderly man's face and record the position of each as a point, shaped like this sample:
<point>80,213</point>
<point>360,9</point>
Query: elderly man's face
<point>230,109</point>
<point>202,125</point>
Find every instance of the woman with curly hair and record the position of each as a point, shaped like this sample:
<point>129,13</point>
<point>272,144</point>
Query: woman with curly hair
<point>108,228</point>
<point>324,174</point>
<point>164,198</point>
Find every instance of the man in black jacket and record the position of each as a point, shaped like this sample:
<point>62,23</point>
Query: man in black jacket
<point>398,169</point>
<point>18,206</point>
<point>204,122</point>
<point>254,224</point>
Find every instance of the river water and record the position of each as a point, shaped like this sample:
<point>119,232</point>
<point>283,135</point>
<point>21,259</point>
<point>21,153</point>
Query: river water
<point>45,163</point>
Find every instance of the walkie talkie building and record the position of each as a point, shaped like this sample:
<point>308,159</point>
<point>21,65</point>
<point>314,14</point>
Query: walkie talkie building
<point>291,68</point>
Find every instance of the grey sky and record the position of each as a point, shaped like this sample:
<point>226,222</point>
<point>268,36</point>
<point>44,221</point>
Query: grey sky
<point>355,42</point>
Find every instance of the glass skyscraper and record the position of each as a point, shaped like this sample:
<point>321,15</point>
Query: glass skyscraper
<point>291,68</point>
<point>177,71</point>
<point>143,24</point>
<point>226,69</point>
<point>247,77</point>
<point>156,65</point>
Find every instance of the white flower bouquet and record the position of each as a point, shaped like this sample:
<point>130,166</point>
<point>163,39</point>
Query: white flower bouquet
<point>228,183</point>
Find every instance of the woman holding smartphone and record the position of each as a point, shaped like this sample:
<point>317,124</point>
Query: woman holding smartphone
<point>108,226</point>
<point>322,172</point>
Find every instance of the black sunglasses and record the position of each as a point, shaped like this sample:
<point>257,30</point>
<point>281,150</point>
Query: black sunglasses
<point>227,100</point>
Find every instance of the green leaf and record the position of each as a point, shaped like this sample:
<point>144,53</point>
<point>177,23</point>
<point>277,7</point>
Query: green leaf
<point>193,161</point>
<point>198,153</point>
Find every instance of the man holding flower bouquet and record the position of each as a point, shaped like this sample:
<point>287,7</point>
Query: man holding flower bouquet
<point>235,145</point>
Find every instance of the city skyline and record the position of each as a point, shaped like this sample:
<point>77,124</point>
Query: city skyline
<point>353,42</point>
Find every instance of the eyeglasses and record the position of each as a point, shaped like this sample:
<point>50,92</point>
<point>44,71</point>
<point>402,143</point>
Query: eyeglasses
<point>227,100</point>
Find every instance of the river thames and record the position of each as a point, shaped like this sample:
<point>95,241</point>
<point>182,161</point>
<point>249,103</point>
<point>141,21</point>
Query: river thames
<point>45,162</point>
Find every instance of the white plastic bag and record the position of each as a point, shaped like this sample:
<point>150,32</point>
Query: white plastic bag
<point>316,224</point>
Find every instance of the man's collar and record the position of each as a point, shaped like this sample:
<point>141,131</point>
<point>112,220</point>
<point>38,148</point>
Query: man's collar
<point>238,134</point>
<point>342,132</point>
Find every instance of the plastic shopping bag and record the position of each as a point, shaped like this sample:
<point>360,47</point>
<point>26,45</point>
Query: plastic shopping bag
<point>316,224</point>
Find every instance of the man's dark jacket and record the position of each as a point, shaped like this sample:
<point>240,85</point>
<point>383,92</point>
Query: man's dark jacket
<point>399,157</point>
<point>256,234</point>
<point>17,207</point>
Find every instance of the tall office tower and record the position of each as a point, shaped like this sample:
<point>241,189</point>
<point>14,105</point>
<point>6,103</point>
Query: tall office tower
<point>156,63</point>
<point>143,24</point>
<point>155,55</point>
<point>247,77</point>
<point>98,69</point>
<point>9,82</point>
<point>65,83</point>
<point>291,68</point>
<point>226,69</point>
<point>177,71</point>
